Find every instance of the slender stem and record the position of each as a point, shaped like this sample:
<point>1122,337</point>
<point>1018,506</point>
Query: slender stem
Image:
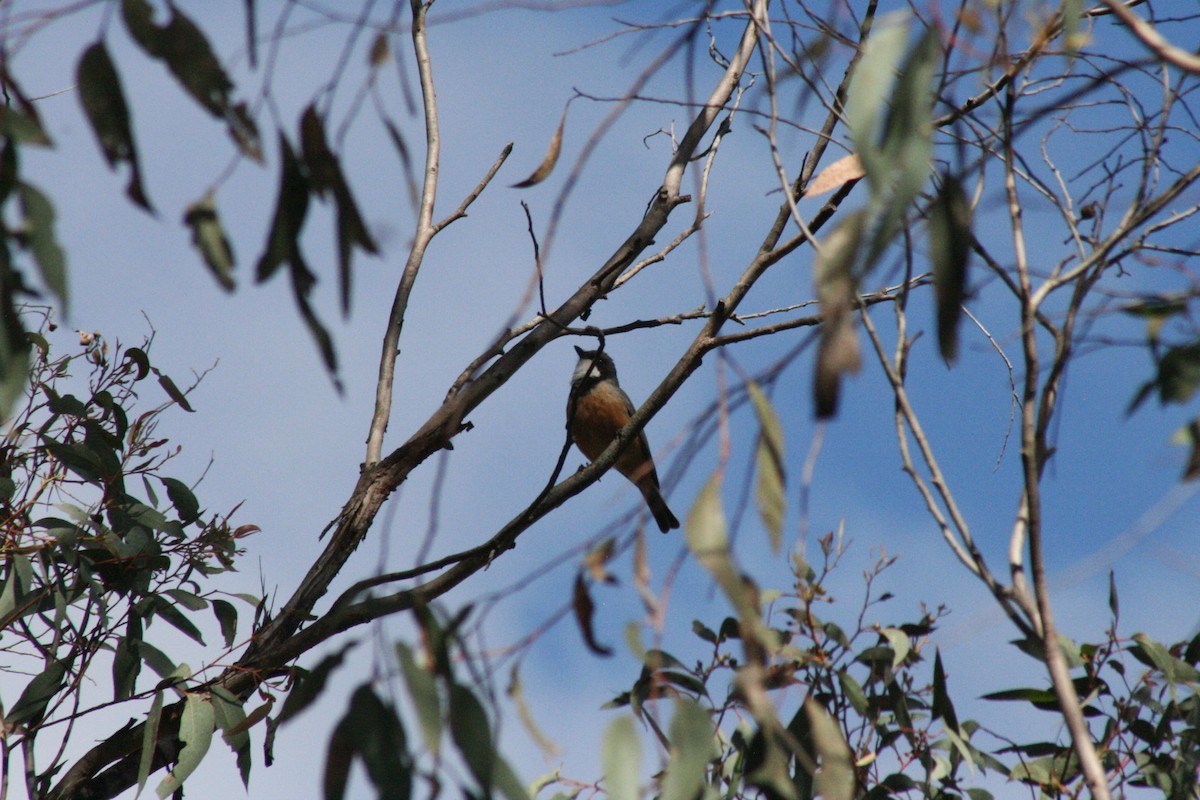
<point>424,234</point>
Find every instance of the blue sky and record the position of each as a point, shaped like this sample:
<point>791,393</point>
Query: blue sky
<point>284,442</point>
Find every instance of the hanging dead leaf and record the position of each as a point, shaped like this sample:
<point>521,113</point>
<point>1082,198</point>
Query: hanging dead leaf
<point>842,171</point>
<point>547,166</point>
<point>585,609</point>
<point>838,352</point>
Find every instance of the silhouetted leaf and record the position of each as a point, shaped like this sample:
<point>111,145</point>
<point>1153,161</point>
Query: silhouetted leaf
<point>943,708</point>
<point>1179,374</point>
<point>140,359</point>
<point>339,757</point>
<point>382,744</point>
<point>291,207</point>
<point>226,614</point>
<point>309,687</point>
<point>183,47</point>
<point>472,735</point>
<point>8,167</point>
<point>182,499</point>
<point>950,250</point>
<point>326,176</point>
<point>208,237</point>
<point>172,390</point>
<point>585,609</point>
<point>104,103</point>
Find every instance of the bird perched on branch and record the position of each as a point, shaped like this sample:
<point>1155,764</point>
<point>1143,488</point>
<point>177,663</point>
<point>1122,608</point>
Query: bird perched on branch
<point>596,410</point>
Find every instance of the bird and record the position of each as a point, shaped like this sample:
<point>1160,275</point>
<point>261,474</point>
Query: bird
<point>596,409</point>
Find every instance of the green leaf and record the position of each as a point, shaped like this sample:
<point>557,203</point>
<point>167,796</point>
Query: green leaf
<point>189,600</point>
<point>31,705</point>
<point>900,643</point>
<point>422,689</point>
<point>706,530</point>
<point>770,492</point>
<point>1173,669</point>
<point>177,620</point>
<point>1075,35</point>
<point>950,250</point>
<point>621,757</point>
<point>18,118</point>
<point>42,242</point>
<point>507,781</point>
<point>149,741</point>
<point>835,780</point>
<point>853,691</point>
<point>309,687</point>
<point>1044,699</point>
<point>126,665</point>
<point>208,237</point>
<point>156,659</point>
<point>230,717</point>
<point>196,727</point>
<point>691,736</point>
<point>871,86</point>
<point>1034,647</point>
<point>472,734</point>
<point>104,104</point>
<point>908,142</point>
<point>16,587</point>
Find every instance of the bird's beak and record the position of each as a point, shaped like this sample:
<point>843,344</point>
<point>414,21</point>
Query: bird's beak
<point>580,351</point>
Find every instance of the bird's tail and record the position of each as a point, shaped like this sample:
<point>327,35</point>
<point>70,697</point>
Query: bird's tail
<point>658,507</point>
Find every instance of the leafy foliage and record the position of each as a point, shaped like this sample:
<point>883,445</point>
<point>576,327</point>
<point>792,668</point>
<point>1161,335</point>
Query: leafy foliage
<point>93,556</point>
